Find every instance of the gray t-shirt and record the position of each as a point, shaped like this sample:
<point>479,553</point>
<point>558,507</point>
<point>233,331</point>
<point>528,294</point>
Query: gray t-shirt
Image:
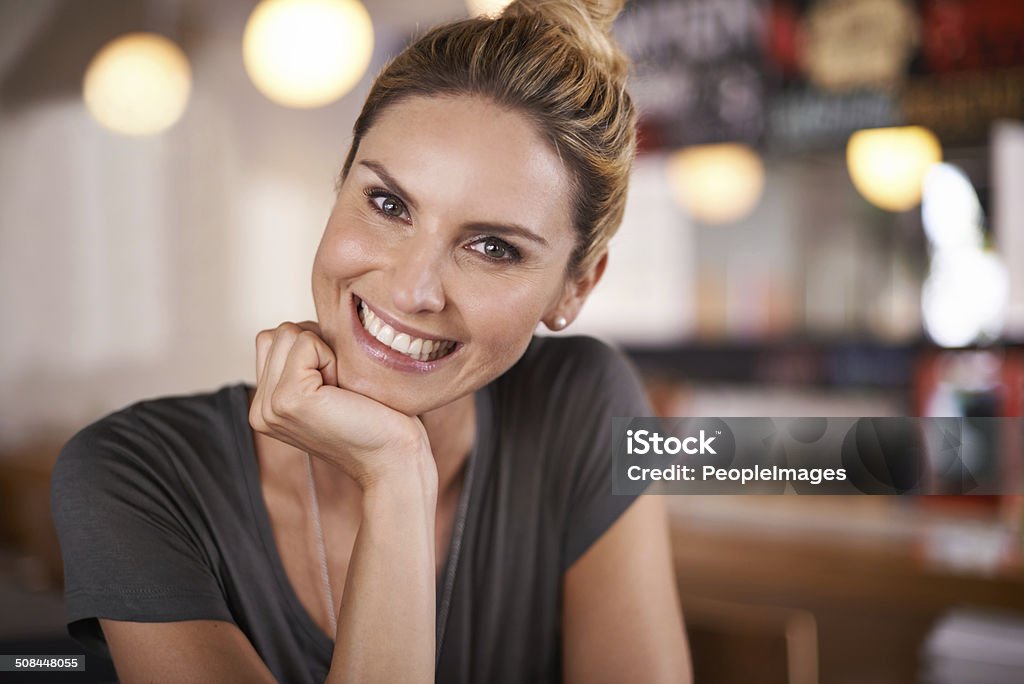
<point>161,518</point>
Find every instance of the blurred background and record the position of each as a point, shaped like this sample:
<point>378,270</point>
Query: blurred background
<point>826,219</point>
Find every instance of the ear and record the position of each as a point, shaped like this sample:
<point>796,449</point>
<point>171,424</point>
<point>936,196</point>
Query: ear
<point>575,294</point>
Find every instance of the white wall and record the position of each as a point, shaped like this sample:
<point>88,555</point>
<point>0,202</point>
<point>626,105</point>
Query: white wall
<point>136,267</point>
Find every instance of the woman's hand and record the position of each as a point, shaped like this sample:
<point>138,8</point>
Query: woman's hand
<point>298,401</point>
<point>386,618</point>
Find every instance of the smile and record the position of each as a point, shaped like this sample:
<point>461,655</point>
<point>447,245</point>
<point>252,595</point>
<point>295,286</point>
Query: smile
<point>416,348</point>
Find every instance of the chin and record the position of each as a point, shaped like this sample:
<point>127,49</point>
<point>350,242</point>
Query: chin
<point>393,395</point>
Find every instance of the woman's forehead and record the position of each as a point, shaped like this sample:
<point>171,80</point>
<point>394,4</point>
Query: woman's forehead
<point>470,153</point>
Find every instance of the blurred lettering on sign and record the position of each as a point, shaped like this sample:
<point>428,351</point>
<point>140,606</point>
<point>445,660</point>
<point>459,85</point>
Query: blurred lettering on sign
<point>799,74</point>
<point>953,66</point>
<point>699,69</point>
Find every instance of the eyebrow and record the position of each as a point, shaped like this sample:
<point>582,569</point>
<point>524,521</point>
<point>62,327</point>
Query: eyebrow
<point>503,229</point>
<point>389,180</point>
<point>509,230</point>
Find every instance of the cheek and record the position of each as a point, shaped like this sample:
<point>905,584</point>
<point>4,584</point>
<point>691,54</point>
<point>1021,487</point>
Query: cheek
<point>505,315</point>
<point>344,252</point>
<point>341,256</point>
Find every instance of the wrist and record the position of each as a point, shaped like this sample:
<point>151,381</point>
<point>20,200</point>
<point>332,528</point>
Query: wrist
<point>408,476</point>
<point>405,497</point>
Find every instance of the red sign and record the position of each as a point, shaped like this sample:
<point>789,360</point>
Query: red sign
<point>972,35</point>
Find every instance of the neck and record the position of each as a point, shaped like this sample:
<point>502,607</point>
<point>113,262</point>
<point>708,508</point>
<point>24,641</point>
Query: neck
<point>451,430</point>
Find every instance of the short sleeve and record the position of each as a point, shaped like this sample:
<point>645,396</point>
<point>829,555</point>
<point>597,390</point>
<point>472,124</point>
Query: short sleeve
<point>128,537</point>
<point>604,386</point>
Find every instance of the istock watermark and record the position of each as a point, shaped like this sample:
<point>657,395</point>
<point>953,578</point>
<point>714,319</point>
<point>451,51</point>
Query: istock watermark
<point>904,456</point>
<point>644,441</point>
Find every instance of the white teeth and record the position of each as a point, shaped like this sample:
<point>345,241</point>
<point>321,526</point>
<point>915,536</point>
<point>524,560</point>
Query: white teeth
<point>414,347</point>
<point>386,335</point>
<point>401,343</point>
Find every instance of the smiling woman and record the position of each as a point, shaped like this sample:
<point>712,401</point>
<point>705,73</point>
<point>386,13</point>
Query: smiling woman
<point>451,227</point>
<point>416,487</point>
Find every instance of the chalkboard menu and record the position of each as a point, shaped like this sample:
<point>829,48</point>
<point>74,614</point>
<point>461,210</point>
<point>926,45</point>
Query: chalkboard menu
<point>799,74</point>
<point>700,69</point>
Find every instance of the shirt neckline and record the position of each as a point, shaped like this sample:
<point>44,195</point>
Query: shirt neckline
<point>445,585</point>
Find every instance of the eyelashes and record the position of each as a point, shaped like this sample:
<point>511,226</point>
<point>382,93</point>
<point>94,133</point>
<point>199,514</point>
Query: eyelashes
<point>496,249</point>
<point>392,208</point>
<point>386,200</point>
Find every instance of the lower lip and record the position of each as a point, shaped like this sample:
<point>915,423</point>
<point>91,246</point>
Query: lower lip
<point>387,356</point>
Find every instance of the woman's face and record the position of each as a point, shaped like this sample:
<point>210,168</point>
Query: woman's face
<point>447,244</point>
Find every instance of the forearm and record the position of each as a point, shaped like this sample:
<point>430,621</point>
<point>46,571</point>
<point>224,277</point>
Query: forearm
<point>386,624</point>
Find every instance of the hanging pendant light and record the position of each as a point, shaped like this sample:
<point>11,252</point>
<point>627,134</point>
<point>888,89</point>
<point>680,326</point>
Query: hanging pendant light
<point>307,53</point>
<point>138,84</point>
<point>888,165</point>
<point>716,184</point>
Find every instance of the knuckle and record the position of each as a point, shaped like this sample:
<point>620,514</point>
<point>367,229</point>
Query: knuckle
<point>309,336</point>
<point>267,411</point>
<point>287,332</point>
<point>256,419</point>
<point>270,419</point>
<point>282,404</point>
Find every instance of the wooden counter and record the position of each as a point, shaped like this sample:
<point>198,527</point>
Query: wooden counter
<point>871,575</point>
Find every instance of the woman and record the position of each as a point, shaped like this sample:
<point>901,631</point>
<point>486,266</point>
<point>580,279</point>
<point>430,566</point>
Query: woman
<point>415,487</point>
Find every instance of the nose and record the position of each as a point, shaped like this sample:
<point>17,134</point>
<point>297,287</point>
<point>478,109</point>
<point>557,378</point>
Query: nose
<point>417,278</point>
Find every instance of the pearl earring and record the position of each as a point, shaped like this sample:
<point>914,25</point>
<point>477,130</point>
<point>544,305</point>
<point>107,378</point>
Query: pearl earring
<point>560,323</point>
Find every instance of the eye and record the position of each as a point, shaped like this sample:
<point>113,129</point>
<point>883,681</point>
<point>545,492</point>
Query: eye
<point>391,206</point>
<point>386,203</point>
<point>496,249</point>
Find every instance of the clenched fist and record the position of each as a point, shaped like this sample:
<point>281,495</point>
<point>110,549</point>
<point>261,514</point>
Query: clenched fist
<point>298,401</point>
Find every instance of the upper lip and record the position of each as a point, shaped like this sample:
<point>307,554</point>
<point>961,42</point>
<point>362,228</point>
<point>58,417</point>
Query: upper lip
<point>399,327</point>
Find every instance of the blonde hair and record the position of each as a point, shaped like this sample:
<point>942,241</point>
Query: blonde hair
<point>554,61</point>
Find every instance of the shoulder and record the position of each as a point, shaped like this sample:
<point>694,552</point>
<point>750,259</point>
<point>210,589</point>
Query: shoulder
<point>150,421</point>
<point>579,370</point>
<point>569,390</point>
<point>576,359</point>
<point>188,413</point>
<point>138,499</point>
<point>558,402</point>
<point>574,349</point>
<point>145,440</point>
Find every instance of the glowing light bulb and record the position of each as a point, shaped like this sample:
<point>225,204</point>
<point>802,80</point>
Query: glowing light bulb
<point>888,165</point>
<point>950,209</point>
<point>964,298</point>
<point>138,84</point>
<point>716,184</point>
<point>307,53</point>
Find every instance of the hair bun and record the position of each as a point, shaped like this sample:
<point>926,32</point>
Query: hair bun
<point>588,21</point>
